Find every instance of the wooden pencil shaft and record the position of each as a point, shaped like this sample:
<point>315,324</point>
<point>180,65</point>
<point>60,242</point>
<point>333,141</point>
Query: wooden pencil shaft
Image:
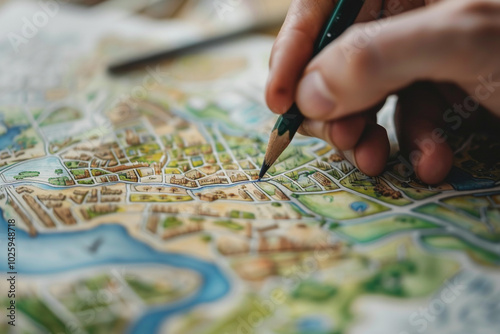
<point>161,55</point>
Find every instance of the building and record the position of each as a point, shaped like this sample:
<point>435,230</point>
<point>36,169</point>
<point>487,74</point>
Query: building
<point>260,196</point>
<point>31,229</point>
<point>335,158</point>
<point>132,176</point>
<point>182,181</point>
<point>210,180</point>
<point>152,223</point>
<point>93,196</point>
<point>98,209</point>
<point>164,209</point>
<point>322,179</point>
<point>238,177</point>
<point>208,197</point>
<point>126,167</point>
<point>41,214</point>
<point>182,230</point>
<point>281,195</point>
<point>65,216</point>
<point>109,191</point>
<point>23,189</point>
<point>132,138</point>
<point>243,194</point>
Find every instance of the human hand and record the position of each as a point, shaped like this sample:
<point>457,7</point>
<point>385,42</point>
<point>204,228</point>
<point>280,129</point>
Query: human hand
<point>440,57</point>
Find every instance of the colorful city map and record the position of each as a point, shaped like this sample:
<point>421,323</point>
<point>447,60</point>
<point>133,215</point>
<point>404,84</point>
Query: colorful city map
<point>137,207</point>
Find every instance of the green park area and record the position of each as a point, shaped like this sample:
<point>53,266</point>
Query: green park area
<point>85,297</point>
<point>23,175</point>
<point>379,228</point>
<point>172,221</point>
<point>374,187</point>
<point>471,205</point>
<point>86,181</point>
<point>75,164</point>
<point>39,312</point>
<point>467,222</point>
<point>153,293</point>
<point>58,181</point>
<point>411,188</point>
<point>229,224</point>
<point>452,243</point>
<point>340,205</point>
<point>241,214</point>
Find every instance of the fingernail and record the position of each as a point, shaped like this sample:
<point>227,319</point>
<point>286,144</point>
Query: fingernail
<point>349,155</point>
<point>314,93</point>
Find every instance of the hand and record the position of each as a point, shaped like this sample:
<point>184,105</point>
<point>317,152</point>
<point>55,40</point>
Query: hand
<point>440,57</point>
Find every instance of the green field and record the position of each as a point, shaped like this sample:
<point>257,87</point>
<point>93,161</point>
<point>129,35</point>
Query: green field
<point>38,311</point>
<point>59,181</point>
<point>416,193</point>
<point>366,185</point>
<point>87,181</point>
<point>471,205</point>
<point>172,221</point>
<point>465,221</point>
<point>23,175</point>
<point>72,164</point>
<point>379,228</point>
<point>229,224</point>
<point>452,243</point>
<point>150,293</point>
<point>339,205</point>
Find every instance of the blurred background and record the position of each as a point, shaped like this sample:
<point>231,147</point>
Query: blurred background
<point>218,14</point>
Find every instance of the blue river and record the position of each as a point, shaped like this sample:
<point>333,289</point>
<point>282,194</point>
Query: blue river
<point>7,139</point>
<point>49,253</point>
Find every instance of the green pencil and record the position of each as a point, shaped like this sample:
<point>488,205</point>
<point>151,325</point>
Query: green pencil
<point>343,16</point>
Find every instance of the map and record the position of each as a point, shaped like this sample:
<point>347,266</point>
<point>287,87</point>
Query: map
<point>132,202</point>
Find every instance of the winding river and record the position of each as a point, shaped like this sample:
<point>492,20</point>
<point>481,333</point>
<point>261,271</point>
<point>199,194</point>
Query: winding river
<point>49,253</point>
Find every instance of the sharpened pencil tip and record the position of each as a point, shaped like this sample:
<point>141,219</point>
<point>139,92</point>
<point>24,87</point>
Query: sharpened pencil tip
<point>263,170</point>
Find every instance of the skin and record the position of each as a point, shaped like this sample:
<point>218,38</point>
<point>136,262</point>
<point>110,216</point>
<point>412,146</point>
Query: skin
<point>441,58</point>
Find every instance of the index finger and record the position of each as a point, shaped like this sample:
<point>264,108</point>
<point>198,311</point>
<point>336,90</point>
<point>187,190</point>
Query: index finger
<point>294,45</point>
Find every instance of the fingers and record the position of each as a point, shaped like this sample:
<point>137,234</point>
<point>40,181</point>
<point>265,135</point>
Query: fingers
<point>359,139</point>
<point>294,45</point>
<point>343,134</point>
<point>372,151</point>
<point>293,49</point>
<point>374,59</point>
<point>420,130</point>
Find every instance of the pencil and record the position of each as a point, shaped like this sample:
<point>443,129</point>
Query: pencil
<point>190,47</point>
<point>286,126</point>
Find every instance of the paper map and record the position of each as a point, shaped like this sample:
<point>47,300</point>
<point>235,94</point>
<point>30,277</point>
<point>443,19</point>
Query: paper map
<point>135,205</point>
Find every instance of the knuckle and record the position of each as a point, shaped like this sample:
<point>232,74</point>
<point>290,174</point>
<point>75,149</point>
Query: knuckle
<point>474,22</point>
<point>363,59</point>
<point>477,7</point>
<point>297,33</point>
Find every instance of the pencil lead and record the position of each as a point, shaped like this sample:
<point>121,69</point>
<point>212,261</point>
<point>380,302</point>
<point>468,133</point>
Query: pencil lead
<point>263,170</point>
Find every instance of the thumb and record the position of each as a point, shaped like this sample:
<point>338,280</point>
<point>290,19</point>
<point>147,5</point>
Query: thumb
<point>372,60</point>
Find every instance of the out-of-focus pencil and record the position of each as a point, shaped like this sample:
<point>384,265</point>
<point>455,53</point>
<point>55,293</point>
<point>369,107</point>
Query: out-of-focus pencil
<point>154,57</point>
